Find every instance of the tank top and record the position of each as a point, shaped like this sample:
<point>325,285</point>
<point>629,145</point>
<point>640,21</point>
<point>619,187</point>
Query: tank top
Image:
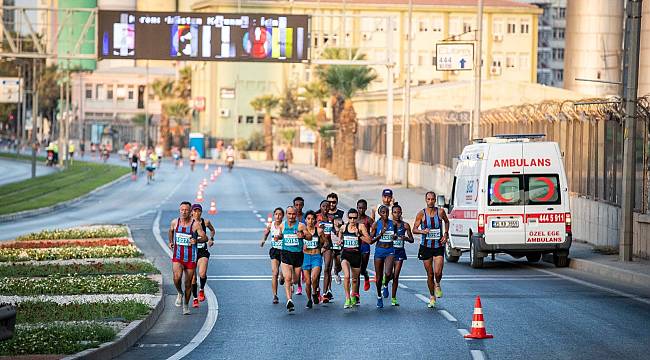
<point>276,244</point>
<point>201,245</point>
<point>401,234</point>
<point>183,251</point>
<point>290,240</point>
<point>313,243</point>
<point>432,239</point>
<point>387,238</point>
<point>351,241</point>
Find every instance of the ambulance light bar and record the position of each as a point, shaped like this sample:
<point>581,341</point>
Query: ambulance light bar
<point>504,138</point>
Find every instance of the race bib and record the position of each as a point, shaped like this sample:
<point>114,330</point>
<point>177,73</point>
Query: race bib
<point>434,234</point>
<point>327,228</point>
<point>311,244</point>
<point>350,241</point>
<point>183,239</point>
<point>398,243</point>
<point>388,236</point>
<point>201,245</point>
<point>291,240</point>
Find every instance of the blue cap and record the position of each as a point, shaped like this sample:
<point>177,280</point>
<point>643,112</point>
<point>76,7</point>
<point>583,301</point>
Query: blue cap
<point>387,192</point>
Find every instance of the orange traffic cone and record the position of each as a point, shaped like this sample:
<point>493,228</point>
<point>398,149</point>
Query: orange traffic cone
<point>478,326</point>
<point>199,197</point>
<point>134,178</point>
<point>213,208</point>
<point>206,167</point>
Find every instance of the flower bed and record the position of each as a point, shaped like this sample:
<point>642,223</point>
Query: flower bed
<point>56,339</point>
<point>68,253</point>
<point>49,311</point>
<point>86,232</point>
<point>72,285</point>
<point>39,244</point>
<point>106,268</point>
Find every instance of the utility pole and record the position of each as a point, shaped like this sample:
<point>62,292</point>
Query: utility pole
<point>146,107</point>
<point>476,116</point>
<point>630,86</point>
<point>407,99</point>
<point>389,105</point>
<point>34,115</point>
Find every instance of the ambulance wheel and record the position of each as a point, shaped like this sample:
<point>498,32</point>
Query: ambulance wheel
<point>448,253</point>
<point>560,260</point>
<point>533,258</point>
<point>475,260</point>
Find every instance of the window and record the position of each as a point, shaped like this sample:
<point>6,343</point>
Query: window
<point>423,26</point>
<point>525,28</point>
<point>89,91</point>
<point>121,92</point>
<point>99,91</point>
<point>109,92</point>
<point>131,93</point>
<point>250,119</point>
<point>558,54</point>
<point>467,25</point>
<point>497,28</point>
<point>558,33</point>
<point>436,24</point>
<point>559,75</point>
<point>510,61</point>
<point>562,13</point>
<point>512,27</point>
<point>504,190</point>
<point>240,118</point>
<point>542,189</point>
<point>260,118</point>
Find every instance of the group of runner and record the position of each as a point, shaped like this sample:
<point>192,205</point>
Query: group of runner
<point>305,242</point>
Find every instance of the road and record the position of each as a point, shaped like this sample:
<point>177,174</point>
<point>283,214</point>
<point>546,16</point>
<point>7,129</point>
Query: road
<point>13,171</point>
<point>534,311</point>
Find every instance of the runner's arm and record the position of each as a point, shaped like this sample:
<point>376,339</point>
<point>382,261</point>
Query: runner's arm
<point>172,226</point>
<point>199,230</point>
<point>321,236</point>
<point>267,231</point>
<point>213,231</point>
<point>365,237</point>
<point>445,219</point>
<point>416,224</point>
<point>306,235</point>
<point>409,233</point>
<point>373,230</point>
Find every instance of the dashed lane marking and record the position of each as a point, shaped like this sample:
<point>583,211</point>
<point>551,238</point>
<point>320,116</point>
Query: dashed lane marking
<point>422,297</point>
<point>463,332</point>
<point>477,355</point>
<point>403,286</point>
<point>447,315</point>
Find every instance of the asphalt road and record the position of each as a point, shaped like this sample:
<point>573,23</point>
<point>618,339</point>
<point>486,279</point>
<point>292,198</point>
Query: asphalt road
<point>13,170</point>
<point>533,311</point>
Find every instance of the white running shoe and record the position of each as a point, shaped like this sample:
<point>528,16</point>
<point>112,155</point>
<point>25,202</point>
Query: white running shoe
<point>179,299</point>
<point>186,309</point>
<point>337,278</point>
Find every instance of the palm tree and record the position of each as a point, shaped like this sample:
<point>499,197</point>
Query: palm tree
<point>164,90</point>
<point>344,82</point>
<point>267,104</point>
<point>318,91</point>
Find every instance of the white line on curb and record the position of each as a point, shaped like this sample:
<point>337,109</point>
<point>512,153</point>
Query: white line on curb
<point>477,354</point>
<point>213,304</point>
<point>447,315</point>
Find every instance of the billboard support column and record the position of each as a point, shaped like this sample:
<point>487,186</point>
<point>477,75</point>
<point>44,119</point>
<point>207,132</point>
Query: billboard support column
<point>389,105</point>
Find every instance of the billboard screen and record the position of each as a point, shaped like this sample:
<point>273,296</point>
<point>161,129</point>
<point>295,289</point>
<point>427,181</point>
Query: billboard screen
<point>203,36</point>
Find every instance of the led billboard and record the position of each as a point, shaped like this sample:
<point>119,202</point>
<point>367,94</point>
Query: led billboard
<point>203,36</point>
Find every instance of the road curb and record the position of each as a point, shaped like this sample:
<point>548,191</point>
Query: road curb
<point>129,335</point>
<point>610,272</point>
<point>62,205</point>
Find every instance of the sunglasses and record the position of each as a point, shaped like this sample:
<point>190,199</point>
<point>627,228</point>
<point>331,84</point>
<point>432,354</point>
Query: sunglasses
<point>332,202</point>
<point>352,217</point>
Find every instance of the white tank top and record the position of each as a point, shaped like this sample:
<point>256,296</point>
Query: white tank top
<point>275,231</point>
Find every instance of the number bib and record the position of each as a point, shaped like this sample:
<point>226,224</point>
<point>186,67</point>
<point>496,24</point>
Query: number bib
<point>275,244</point>
<point>201,245</point>
<point>327,228</point>
<point>350,241</point>
<point>291,240</point>
<point>434,234</point>
<point>399,242</point>
<point>335,245</point>
<point>387,237</point>
<point>183,239</point>
<point>134,164</point>
<point>311,244</point>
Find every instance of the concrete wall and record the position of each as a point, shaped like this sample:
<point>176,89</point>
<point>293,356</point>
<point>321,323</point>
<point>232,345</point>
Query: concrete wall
<point>594,222</point>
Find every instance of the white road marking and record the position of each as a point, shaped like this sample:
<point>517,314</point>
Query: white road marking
<point>258,215</point>
<point>255,211</point>
<point>477,355</point>
<point>403,286</point>
<point>239,230</point>
<point>422,297</point>
<point>447,315</point>
<point>213,304</point>
<point>262,220</point>
<point>463,332</point>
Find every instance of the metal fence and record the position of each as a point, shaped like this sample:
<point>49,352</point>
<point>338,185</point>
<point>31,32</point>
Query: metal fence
<point>589,132</point>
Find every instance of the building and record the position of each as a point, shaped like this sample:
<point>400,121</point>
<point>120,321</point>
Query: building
<point>509,50</point>
<point>551,41</point>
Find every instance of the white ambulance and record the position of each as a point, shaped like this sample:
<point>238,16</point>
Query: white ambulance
<point>510,196</point>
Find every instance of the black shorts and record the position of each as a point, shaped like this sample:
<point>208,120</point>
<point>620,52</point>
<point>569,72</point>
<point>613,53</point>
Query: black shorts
<point>202,253</point>
<point>353,257</point>
<point>337,252</point>
<point>294,259</point>
<point>274,254</point>
<point>426,253</point>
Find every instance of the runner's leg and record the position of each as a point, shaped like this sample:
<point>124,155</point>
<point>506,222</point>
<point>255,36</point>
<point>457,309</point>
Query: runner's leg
<point>438,263</point>
<point>396,272</point>
<point>356,272</point>
<point>428,266</point>
<point>189,274</point>
<point>287,270</point>
<point>275,269</point>
<point>379,271</point>
<point>327,267</point>
<point>177,270</point>
<point>306,274</point>
<point>315,280</point>
<point>346,279</point>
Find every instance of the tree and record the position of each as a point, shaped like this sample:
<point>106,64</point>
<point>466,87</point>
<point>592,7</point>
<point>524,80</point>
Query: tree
<point>344,82</point>
<point>267,104</point>
<point>292,106</point>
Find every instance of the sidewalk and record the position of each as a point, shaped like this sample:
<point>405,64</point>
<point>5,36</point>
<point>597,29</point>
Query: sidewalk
<point>369,187</point>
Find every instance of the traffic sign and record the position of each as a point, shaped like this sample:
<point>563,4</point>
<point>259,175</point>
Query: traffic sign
<point>10,89</point>
<point>454,56</point>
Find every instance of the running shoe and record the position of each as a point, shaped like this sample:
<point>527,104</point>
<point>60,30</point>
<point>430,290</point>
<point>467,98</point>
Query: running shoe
<point>337,278</point>
<point>324,299</point>
<point>329,295</point>
<point>438,292</point>
<point>432,302</point>
<point>299,289</point>
<point>281,280</point>
<point>309,304</point>
<point>353,299</point>
<point>201,295</point>
<point>348,303</point>
<point>290,305</point>
<point>384,290</point>
<point>316,298</point>
<point>380,302</point>
<point>275,300</point>
<point>366,284</point>
<point>186,309</point>
<point>195,303</point>
<point>393,302</point>
<point>179,299</point>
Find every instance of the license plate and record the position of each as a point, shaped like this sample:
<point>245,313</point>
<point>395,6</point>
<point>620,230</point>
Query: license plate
<point>505,224</point>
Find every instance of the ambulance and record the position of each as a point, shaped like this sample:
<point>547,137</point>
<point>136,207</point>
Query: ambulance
<point>510,195</point>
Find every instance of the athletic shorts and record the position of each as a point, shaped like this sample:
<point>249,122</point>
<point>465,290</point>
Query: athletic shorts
<point>202,253</point>
<point>383,253</point>
<point>365,248</point>
<point>400,254</point>
<point>275,254</point>
<point>151,168</point>
<point>294,259</point>
<point>312,261</point>
<point>185,264</point>
<point>337,252</point>
<point>353,257</point>
<point>426,253</point>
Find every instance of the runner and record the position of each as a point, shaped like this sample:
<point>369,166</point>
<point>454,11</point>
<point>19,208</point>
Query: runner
<point>143,158</point>
<point>203,254</point>
<point>176,154</point>
<point>313,261</point>
<point>134,165</point>
<point>325,222</point>
<point>151,167</point>
<point>299,204</point>
<point>183,245</point>
<point>159,155</point>
<point>362,207</point>
<point>432,246</point>
<point>403,231</point>
<point>384,234</point>
<point>292,234</point>
<point>338,215</point>
<point>351,235</point>
<point>193,156</point>
<point>386,200</point>
<point>276,248</point>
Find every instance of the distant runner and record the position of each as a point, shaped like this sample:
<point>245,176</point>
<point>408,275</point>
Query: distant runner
<point>193,156</point>
<point>312,261</point>
<point>362,207</point>
<point>203,254</point>
<point>403,231</point>
<point>292,234</point>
